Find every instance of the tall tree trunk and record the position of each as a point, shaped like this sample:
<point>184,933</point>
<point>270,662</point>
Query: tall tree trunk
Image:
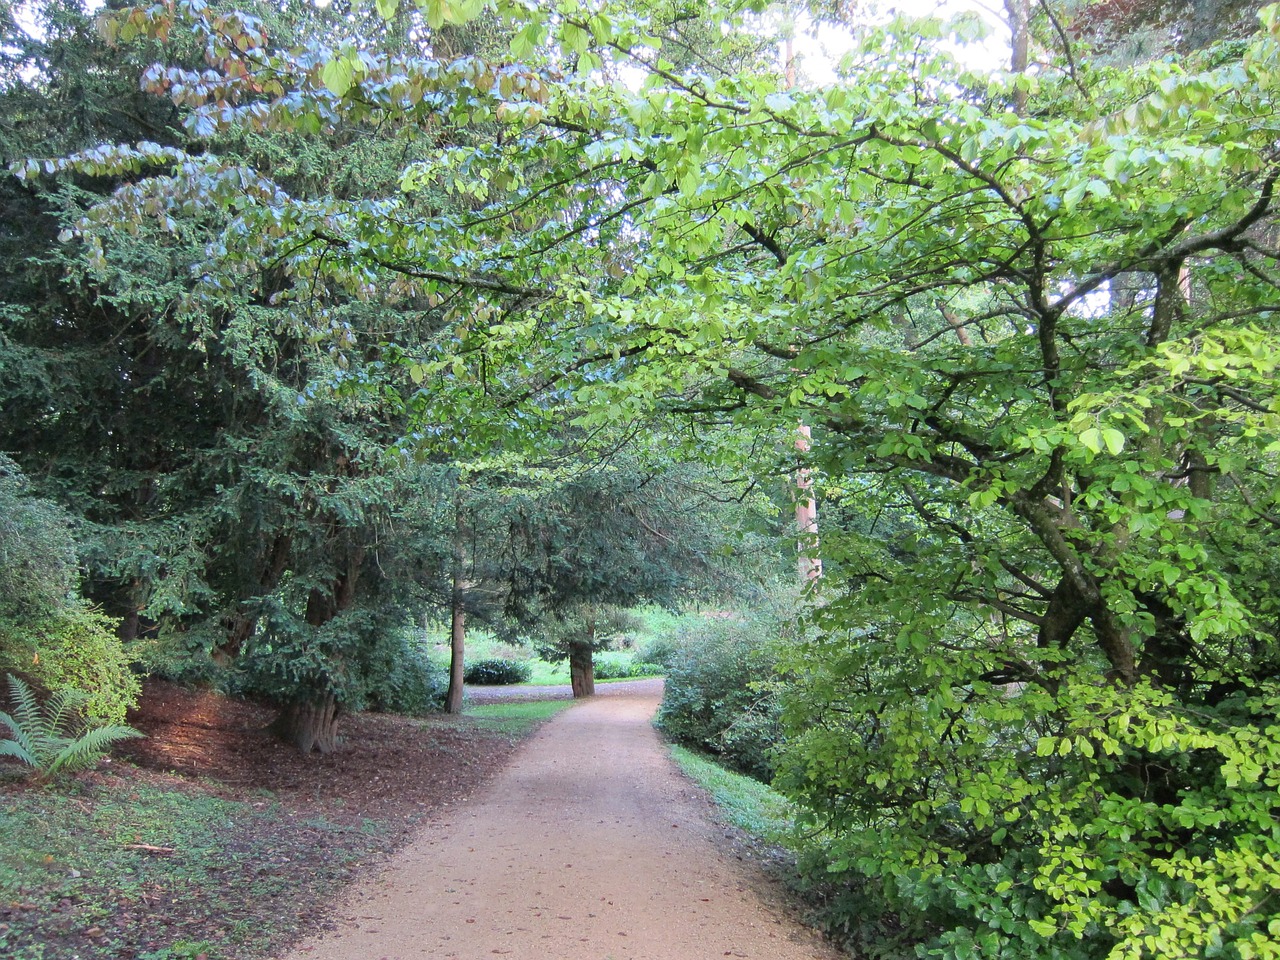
<point>457,619</point>
<point>309,724</point>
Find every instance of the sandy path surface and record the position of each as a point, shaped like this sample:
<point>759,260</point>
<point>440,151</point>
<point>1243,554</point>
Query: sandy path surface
<point>589,845</point>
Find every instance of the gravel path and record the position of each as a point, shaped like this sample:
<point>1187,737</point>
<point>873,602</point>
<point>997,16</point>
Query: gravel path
<point>590,845</point>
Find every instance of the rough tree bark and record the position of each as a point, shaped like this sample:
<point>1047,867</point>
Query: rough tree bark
<point>582,668</point>
<point>309,724</point>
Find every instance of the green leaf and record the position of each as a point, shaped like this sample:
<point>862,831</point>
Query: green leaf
<point>338,76</point>
<point>1091,440</point>
<point>1114,440</point>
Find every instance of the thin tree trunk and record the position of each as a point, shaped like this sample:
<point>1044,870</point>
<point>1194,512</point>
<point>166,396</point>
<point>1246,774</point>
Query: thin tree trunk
<point>809,564</point>
<point>1019,12</point>
<point>457,619</point>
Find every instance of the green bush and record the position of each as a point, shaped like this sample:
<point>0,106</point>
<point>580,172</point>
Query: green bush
<point>410,682</point>
<point>661,649</point>
<point>38,562</point>
<point>497,672</point>
<point>619,665</point>
<point>73,648</point>
<point>720,697</point>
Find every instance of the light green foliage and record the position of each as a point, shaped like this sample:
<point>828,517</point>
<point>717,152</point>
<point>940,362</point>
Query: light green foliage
<point>46,632</point>
<point>74,649</point>
<point>623,665</point>
<point>52,738</point>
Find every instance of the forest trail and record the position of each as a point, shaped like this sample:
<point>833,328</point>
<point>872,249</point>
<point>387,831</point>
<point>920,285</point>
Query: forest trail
<point>590,845</point>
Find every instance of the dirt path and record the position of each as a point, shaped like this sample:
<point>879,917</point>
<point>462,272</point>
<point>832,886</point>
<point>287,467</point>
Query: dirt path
<point>589,846</point>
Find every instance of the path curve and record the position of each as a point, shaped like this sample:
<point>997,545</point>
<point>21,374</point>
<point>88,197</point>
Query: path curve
<point>590,845</point>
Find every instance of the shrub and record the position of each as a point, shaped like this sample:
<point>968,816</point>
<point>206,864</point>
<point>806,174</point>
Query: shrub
<point>663,649</point>
<point>497,672</point>
<point>411,683</point>
<point>73,648</point>
<point>618,665</point>
<point>720,697</point>
<point>38,563</point>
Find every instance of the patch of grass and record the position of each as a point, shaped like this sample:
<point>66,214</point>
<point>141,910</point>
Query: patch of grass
<point>548,674</point>
<point>516,718</point>
<point>113,867</point>
<point>748,804</point>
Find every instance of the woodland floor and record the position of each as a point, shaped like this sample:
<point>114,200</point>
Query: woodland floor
<point>208,840</point>
<point>284,831</point>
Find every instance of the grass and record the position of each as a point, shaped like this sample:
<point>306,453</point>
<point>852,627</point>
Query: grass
<point>748,804</point>
<point>516,718</point>
<point>548,674</point>
<point>84,870</point>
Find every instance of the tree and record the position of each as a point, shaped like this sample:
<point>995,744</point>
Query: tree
<point>614,537</point>
<point>256,520</point>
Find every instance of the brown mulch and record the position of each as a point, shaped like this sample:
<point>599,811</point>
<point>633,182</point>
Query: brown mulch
<point>299,830</point>
<point>386,767</point>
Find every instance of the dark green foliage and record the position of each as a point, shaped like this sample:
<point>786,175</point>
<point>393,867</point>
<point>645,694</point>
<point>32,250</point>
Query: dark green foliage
<point>497,672</point>
<point>403,679</point>
<point>37,548</point>
<point>721,695</point>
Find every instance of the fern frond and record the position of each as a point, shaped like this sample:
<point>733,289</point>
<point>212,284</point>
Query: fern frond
<point>62,712</point>
<point>26,707</point>
<point>41,736</point>
<point>12,748</point>
<point>85,750</point>
<point>52,738</point>
<point>21,740</point>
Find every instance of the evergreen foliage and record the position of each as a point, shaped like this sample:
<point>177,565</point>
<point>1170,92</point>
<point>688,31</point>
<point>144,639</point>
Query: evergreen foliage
<point>497,672</point>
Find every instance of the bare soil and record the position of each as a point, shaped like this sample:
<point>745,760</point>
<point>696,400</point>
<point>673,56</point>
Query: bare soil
<point>589,844</point>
